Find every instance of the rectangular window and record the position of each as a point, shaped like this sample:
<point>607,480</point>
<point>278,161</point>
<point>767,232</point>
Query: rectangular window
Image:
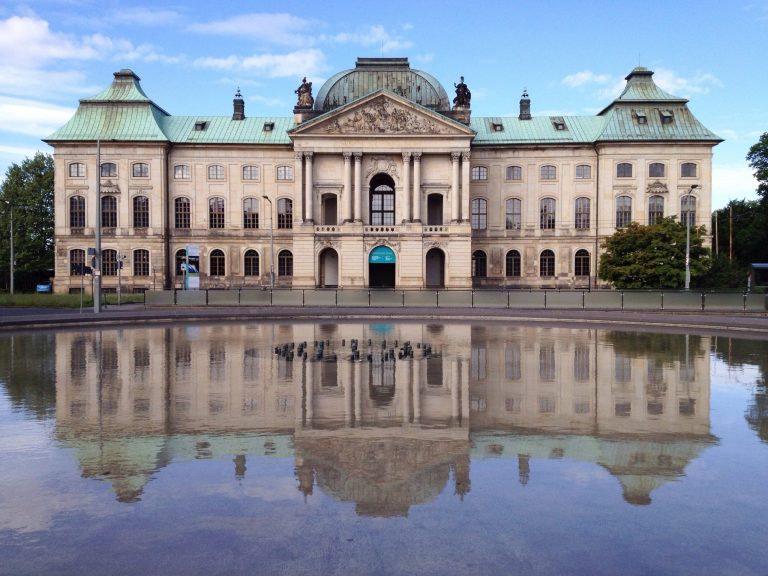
<point>582,213</point>
<point>141,262</point>
<point>514,173</point>
<point>479,216</point>
<point>77,170</point>
<point>285,172</point>
<point>548,172</point>
<point>140,170</point>
<point>182,219</point>
<point>250,213</point>
<point>216,172</point>
<point>688,170</point>
<point>479,173</point>
<point>284,213</point>
<point>583,172</point>
<point>514,214</point>
<point>250,172</point>
<point>181,172</point>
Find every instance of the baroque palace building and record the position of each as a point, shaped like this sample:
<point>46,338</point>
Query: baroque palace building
<point>378,180</point>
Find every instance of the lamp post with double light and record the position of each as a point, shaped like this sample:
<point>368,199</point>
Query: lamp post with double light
<point>688,199</point>
<point>271,243</point>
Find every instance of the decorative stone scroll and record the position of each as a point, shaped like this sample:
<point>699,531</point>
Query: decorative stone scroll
<point>657,187</point>
<point>382,116</point>
<point>380,164</point>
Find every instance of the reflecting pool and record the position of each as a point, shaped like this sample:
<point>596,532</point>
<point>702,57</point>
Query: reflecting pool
<point>382,448</point>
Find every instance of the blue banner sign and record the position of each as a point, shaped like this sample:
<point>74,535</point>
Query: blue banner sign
<point>381,255</point>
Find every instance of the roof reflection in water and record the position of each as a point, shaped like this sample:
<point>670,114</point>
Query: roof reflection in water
<point>386,431</point>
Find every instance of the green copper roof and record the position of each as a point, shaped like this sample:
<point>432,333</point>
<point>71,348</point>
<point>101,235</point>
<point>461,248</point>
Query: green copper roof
<point>119,121</point>
<point>537,130</point>
<point>224,130</point>
<point>621,124</point>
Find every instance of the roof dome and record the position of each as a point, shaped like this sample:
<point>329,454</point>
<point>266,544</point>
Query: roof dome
<point>372,74</point>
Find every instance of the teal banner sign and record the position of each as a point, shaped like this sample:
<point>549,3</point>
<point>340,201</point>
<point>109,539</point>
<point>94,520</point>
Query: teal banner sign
<point>381,255</point>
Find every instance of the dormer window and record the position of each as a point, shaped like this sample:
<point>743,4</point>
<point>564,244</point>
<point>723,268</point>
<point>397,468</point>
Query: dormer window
<point>200,126</point>
<point>666,116</point>
<point>559,123</point>
<point>641,117</point>
<point>269,126</point>
<point>497,126</point>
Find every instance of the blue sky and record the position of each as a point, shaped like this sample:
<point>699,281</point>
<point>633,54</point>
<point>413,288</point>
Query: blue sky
<point>572,58</point>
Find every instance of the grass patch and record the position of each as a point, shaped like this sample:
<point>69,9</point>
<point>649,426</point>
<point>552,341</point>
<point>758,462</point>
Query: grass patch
<point>62,300</point>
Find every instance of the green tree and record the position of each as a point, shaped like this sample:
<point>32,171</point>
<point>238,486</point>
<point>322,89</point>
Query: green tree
<point>28,188</point>
<point>653,256</point>
<point>758,161</point>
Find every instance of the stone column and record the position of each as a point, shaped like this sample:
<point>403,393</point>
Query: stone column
<point>347,206</point>
<point>406,200</point>
<point>358,186</point>
<point>455,199</point>
<point>309,186</point>
<point>417,186</point>
<point>465,172</point>
<point>298,186</point>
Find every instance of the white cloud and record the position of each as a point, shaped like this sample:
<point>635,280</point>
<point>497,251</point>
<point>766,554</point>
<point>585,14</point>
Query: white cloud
<point>585,77</point>
<point>283,29</point>
<point>732,182</point>
<point>30,117</point>
<point>669,81</point>
<point>377,36</point>
<point>298,63</point>
<point>28,42</point>
<point>141,16</point>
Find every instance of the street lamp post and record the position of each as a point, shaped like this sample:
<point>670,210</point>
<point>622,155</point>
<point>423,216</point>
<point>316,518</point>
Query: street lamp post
<point>271,243</point>
<point>11,255</point>
<point>688,238</point>
<point>97,236</point>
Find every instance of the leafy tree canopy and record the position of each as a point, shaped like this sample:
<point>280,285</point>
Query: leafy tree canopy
<point>28,188</point>
<point>758,160</point>
<point>646,257</point>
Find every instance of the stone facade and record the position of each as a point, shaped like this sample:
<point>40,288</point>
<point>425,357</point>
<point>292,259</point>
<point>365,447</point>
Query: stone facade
<point>379,185</point>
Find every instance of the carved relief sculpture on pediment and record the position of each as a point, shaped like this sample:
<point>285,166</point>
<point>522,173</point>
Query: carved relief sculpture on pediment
<point>381,116</point>
<point>657,188</point>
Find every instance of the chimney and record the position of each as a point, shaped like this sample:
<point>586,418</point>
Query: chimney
<point>525,106</point>
<point>239,107</point>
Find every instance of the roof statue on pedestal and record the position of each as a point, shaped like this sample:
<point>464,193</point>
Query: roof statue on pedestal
<point>305,94</point>
<point>463,95</point>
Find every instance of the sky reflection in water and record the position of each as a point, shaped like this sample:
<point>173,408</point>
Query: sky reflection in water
<point>391,449</point>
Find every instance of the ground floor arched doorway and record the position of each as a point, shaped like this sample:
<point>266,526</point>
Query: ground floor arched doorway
<point>329,268</point>
<point>381,267</point>
<point>435,265</point>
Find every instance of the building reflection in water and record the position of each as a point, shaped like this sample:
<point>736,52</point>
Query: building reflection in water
<point>383,415</point>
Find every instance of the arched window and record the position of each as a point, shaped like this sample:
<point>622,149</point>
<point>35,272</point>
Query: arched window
<point>514,173</point>
<point>581,263</point>
<point>216,213</point>
<point>251,263</point>
<point>285,173</point>
<point>548,172</point>
<point>583,172</point>
<point>656,170</point>
<point>688,170</point>
<point>182,214</point>
<point>250,172</point>
<point>547,214</point>
<point>547,264</point>
<point>285,263</point>
<point>181,172</point>
<point>76,170</point>
<point>688,210</point>
<point>141,262</point>
<point>109,262</point>
<point>382,201</point>
<point>108,212</point>
<point>77,211</point>
<point>140,170</point>
<point>655,209</point>
<point>140,212</point>
<point>108,170</point>
<point>285,213</point>
<point>250,213</point>
<point>479,264</point>
<point>514,214</point>
<point>623,211</point>
<point>479,216</point>
<point>215,172</point>
<point>217,267</point>
<point>76,262</point>
<point>513,263</point>
<point>624,170</point>
<point>479,173</point>
<point>582,215</point>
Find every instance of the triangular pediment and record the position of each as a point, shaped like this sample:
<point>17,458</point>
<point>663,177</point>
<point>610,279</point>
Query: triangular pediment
<point>382,113</point>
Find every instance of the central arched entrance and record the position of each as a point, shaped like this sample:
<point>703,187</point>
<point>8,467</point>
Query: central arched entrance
<point>435,268</point>
<point>329,268</point>
<point>381,267</point>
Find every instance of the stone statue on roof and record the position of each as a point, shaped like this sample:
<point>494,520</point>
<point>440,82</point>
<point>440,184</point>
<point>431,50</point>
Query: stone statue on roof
<point>305,94</point>
<point>463,95</point>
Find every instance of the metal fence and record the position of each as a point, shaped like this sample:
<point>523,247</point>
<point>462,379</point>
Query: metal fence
<point>515,299</point>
